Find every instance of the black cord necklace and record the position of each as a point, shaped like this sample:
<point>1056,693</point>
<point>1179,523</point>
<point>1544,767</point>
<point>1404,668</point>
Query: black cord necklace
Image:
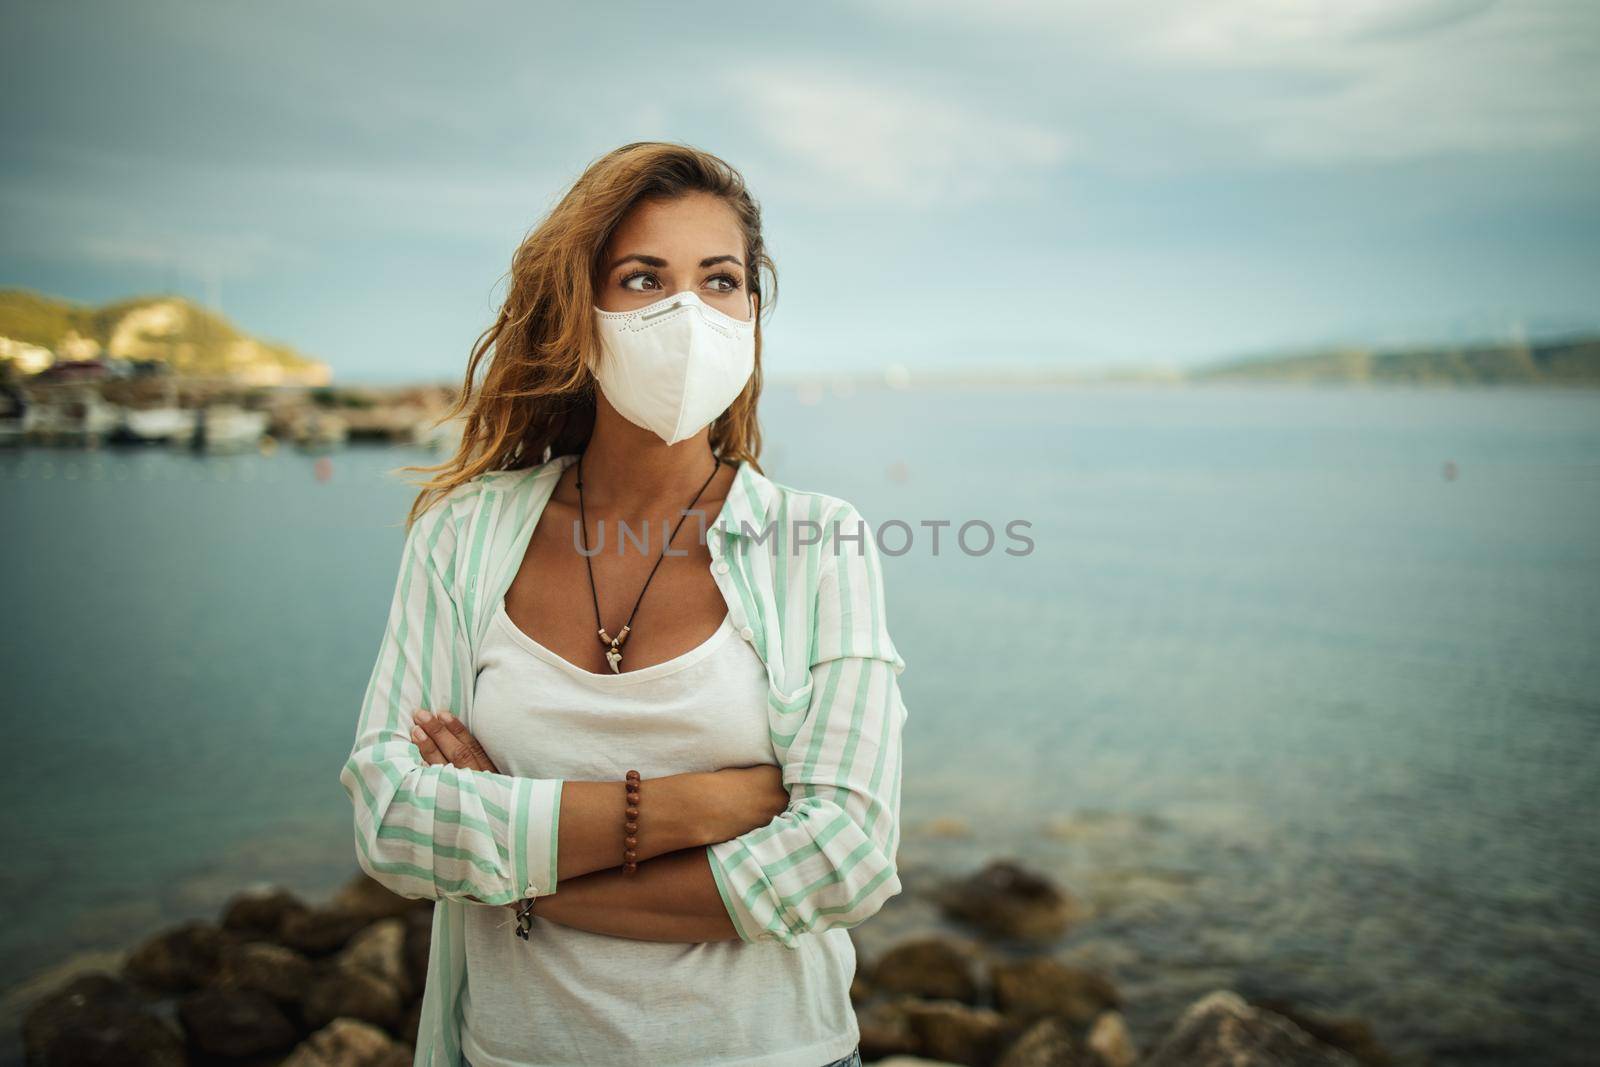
<point>614,644</point>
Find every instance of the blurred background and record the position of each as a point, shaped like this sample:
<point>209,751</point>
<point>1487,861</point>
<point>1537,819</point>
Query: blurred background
<point>1278,322</point>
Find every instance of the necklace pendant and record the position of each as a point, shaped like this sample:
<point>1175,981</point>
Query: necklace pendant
<point>614,644</point>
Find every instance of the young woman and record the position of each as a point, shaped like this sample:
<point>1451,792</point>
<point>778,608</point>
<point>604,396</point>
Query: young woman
<point>635,723</point>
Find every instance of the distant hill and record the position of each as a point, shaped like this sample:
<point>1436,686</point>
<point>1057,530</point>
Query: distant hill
<point>1566,361</point>
<point>193,342</point>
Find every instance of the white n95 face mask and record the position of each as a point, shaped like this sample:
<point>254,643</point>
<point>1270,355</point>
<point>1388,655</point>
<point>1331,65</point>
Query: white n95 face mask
<point>673,366</point>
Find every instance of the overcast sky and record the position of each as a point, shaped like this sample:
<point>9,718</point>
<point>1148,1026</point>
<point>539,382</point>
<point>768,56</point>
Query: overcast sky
<point>1086,185</point>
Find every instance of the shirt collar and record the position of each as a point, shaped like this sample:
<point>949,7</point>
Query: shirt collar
<point>744,512</point>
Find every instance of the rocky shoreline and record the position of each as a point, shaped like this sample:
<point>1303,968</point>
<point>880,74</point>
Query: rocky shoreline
<point>278,982</point>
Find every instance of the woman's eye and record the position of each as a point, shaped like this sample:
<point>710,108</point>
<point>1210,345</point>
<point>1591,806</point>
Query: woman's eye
<point>724,283</point>
<point>627,282</point>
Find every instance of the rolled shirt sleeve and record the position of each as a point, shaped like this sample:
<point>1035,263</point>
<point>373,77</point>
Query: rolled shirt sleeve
<point>439,832</point>
<point>829,859</point>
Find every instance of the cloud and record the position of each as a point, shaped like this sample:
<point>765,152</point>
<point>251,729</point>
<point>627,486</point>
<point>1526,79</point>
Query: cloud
<point>1319,83</point>
<point>1399,79</point>
<point>1235,32</point>
<point>237,254</point>
<point>70,223</point>
<point>843,136</point>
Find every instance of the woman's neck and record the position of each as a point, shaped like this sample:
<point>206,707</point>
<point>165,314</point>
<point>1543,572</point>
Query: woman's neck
<point>628,470</point>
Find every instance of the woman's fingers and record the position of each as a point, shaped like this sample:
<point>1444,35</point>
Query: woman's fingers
<point>479,759</point>
<point>444,739</point>
<point>430,751</point>
<point>454,743</point>
<point>451,749</point>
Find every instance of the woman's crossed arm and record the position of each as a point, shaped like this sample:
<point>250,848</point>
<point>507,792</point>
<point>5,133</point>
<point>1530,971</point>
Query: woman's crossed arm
<point>673,896</point>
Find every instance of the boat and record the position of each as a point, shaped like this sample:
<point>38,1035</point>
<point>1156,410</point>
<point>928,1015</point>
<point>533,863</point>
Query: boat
<point>164,425</point>
<point>228,428</point>
<point>74,415</point>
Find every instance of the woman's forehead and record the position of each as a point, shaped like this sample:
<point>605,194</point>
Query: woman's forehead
<point>691,222</point>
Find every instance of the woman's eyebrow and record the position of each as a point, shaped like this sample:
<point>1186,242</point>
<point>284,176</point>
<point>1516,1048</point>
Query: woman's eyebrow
<point>657,261</point>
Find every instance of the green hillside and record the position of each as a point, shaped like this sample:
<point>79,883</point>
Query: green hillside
<point>192,341</point>
<point>1567,361</point>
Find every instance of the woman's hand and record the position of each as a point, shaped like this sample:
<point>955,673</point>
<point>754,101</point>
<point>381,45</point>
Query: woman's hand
<point>445,740</point>
<point>741,799</point>
<point>729,802</point>
<point>724,803</point>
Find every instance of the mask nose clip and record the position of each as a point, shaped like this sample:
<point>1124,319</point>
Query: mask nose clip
<point>679,300</point>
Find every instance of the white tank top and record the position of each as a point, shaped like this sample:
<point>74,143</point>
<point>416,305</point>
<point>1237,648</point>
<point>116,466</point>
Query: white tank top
<point>569,997</point>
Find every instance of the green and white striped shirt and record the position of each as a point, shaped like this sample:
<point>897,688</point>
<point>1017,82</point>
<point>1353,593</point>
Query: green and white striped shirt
<point>802,577</point>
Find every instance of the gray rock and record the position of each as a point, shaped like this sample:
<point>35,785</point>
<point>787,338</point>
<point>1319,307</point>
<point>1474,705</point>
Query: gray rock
<point>262,967</point>
<point>178,959</point>
<point>380,950</point>
<point>1005,900</point>
<point>935,968</point>
<point>1221,1030</point>
<point>1027,989</point>
<point>349,1043</point>
<point>319,931</point>
<point>1347,1032</point>
<point>373,901</point>
<point>951,1031</point>
<point>235,1023</point>
<point>1110,1042</point>
<point>1047,1043</point>
<point>342,991</point>
<point>98,1020</point>
<point>886,1029</point>
<point>259,913</point>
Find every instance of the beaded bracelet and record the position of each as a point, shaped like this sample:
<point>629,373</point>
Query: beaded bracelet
<point>631,825</point>
<point>630,854</point>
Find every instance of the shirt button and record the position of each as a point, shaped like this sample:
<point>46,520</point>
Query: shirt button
<point>531,891</point>
<point>722,566</point>
<point>747,633</point>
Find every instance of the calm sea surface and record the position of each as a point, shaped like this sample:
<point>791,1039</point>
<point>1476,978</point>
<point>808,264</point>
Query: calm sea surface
<point>1292,709</point>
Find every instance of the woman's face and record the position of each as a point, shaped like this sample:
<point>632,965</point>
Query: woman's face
<point>663,247</point>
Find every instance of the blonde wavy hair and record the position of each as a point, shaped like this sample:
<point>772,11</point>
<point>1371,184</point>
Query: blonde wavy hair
<point>536,400</point>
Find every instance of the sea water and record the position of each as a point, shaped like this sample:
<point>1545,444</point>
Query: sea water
<point>1295,689</point>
